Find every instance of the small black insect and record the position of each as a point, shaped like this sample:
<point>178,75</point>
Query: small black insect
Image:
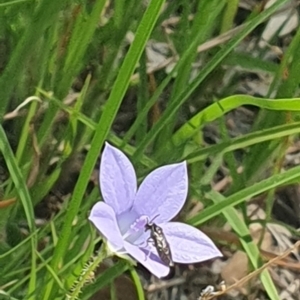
<point>160,242</point>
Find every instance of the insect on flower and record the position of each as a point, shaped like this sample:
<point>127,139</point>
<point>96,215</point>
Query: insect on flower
<point>158,239</point>
<point>125,216</point>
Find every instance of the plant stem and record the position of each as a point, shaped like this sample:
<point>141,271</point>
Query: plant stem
<point>87,274</point>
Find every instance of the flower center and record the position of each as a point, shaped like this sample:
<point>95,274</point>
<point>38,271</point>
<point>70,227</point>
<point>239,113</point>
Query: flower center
<point>131,225</point>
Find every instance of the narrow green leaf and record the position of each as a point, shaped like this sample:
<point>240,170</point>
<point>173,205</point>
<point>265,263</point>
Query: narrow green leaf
<point>225,105</point>
<point>44,16</point>
<point>207,69</point>
<point>21,188</point>
<point>244,141</point>
<point>239,226</point>
<point>138,284</point>
<point>245,194</point>
<point>113,103</point>
<point>104,279</point>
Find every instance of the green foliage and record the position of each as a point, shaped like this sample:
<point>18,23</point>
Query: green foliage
<point>54,49</point>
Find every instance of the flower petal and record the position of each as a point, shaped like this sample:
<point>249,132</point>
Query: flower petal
<point>104,219</point>
<point>188,244</point>
<point>163,192</point>
<point>117,179</point>
<point>151,262</point>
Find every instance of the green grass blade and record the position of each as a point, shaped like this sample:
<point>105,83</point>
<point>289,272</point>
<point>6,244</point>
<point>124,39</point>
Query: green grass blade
<point>23,193</point>
<point>138,284</point>
<point>218,109</point>
<point>92,125</point>
<point>143,32</point>
<point>259,155</point>
<point>207,69</point>
<point>44,16</point>
<point>204,23</point>
<point>245,194</point>
<point>240,227</point>
<point>229,15</point>
<point>104,279</point>
<point>13,2</point>
<point>244,141</point>
<point>80,40</point>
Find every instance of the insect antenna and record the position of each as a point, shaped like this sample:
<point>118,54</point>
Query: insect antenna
<point>151,221</point>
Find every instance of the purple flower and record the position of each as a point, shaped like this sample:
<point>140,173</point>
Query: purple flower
<point>122,217</point>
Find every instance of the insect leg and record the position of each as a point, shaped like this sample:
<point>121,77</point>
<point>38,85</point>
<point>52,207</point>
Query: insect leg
<point>149,241</point>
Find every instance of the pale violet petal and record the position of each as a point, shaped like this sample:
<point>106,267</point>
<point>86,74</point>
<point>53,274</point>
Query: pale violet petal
<point>163,192</point>
<point>188,244</point>
<point>152,262</point>
<point>117,179</point>
<point>104,219</point>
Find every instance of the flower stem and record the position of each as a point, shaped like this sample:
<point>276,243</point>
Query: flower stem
<point>87,273</point>
<point>138,284</point>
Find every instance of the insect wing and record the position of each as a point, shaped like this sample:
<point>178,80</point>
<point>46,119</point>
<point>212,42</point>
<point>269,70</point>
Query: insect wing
<point>162,245</point>
<point>165,255</point>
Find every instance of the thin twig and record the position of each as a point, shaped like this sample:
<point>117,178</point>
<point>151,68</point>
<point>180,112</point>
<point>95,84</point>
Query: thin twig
<point>165,284</point>
<point>252,274</point>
